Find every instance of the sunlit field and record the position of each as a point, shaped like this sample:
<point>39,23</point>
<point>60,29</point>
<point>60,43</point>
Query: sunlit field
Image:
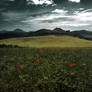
<point>48,41</point>
<point>38,68</point>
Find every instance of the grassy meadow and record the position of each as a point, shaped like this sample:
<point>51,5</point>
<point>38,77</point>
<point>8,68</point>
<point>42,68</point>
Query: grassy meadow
<point>48,41</point>
<point>46,64</point>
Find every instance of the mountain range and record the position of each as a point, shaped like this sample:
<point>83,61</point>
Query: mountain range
<point>83,34</point>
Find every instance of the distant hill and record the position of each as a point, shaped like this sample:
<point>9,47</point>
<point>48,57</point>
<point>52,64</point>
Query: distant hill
<point>18,31</point>
<point>47,41</point>
<point>83,34</point>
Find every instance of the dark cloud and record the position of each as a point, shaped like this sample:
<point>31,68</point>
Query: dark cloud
<point>41,16</point>
<point>60,1</point>
<point>23,4</point>
<point>13,5</point>
<point>86,2</point>
<point>20,4</point>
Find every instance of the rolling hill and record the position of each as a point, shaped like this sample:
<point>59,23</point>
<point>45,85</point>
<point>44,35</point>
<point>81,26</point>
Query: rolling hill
<point>84,34</point>
<point>48,41</point>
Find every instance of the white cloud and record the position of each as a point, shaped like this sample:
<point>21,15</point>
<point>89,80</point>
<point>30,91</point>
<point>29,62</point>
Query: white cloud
<point>77,1</point>
<point>79,19</point>
<point>40,2</point>
<point>81,9</point>
<point>59,11</point>
<point>70,24</point>
<point>85,15</point>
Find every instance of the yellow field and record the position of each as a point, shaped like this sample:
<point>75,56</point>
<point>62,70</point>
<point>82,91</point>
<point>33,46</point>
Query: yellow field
<point>48,41</point>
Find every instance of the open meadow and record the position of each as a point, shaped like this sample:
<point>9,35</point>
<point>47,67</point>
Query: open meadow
<point>48,41</point>
<point>62,67</point>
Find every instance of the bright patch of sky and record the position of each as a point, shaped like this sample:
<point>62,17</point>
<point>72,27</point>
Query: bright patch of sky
<point>77,1</point>
<point>79,19</point>
<point>40,2</point>
<point>59,11</point>
<point>48,2</point>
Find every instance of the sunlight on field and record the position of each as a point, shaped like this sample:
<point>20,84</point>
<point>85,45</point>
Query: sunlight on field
<point>48,41</point>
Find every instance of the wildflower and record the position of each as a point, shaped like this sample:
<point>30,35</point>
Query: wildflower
<point>37,61</point>
<point>35,58</point>
<point>17,64</point>
<point>73,65</point>
<point>83,64</point>
<point>45,78</point>
<point>20,76</point>
<point>41,51</point>
<point>32,61</point>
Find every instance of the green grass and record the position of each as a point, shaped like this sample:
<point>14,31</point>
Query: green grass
<point>20,72</point>
<point>44,64</point>
<point>48,41</point>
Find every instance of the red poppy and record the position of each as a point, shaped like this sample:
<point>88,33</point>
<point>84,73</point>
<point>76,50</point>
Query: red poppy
<point>35,58</point>
<point>83,64</point>
<point>37,61</point>
<point>17,64</point>
<point>41,51</point>
<point>32,61</point>
<point>73,65</point>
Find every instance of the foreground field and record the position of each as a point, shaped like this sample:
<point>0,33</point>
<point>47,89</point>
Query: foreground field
<point>48,41</point>
<point>46,70</point>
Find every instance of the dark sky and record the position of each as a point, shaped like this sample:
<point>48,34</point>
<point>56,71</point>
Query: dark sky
<point>32,15</point>
<point>24,4</point>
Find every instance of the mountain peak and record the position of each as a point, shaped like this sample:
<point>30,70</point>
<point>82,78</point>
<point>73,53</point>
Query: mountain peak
<point>18,30</point>
<point>59,29</point>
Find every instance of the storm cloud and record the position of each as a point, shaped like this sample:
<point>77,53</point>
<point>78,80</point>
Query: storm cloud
<point>38,14</point>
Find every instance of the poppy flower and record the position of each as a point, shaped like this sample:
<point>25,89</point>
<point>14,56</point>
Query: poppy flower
<point>17,64</point>
<point>32,61</point>
<point>83,64</point>
<point>73,65</point>
<point>41,51</point>
<point>35,58</point>
<point>37,61</point>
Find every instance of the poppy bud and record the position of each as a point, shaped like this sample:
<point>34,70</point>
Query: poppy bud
<point>73,65</point>
<point>32,61</point>
<point>35,58</point>
<point>17,64</point>
<point>37,61</point>
<point>83,64</point>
